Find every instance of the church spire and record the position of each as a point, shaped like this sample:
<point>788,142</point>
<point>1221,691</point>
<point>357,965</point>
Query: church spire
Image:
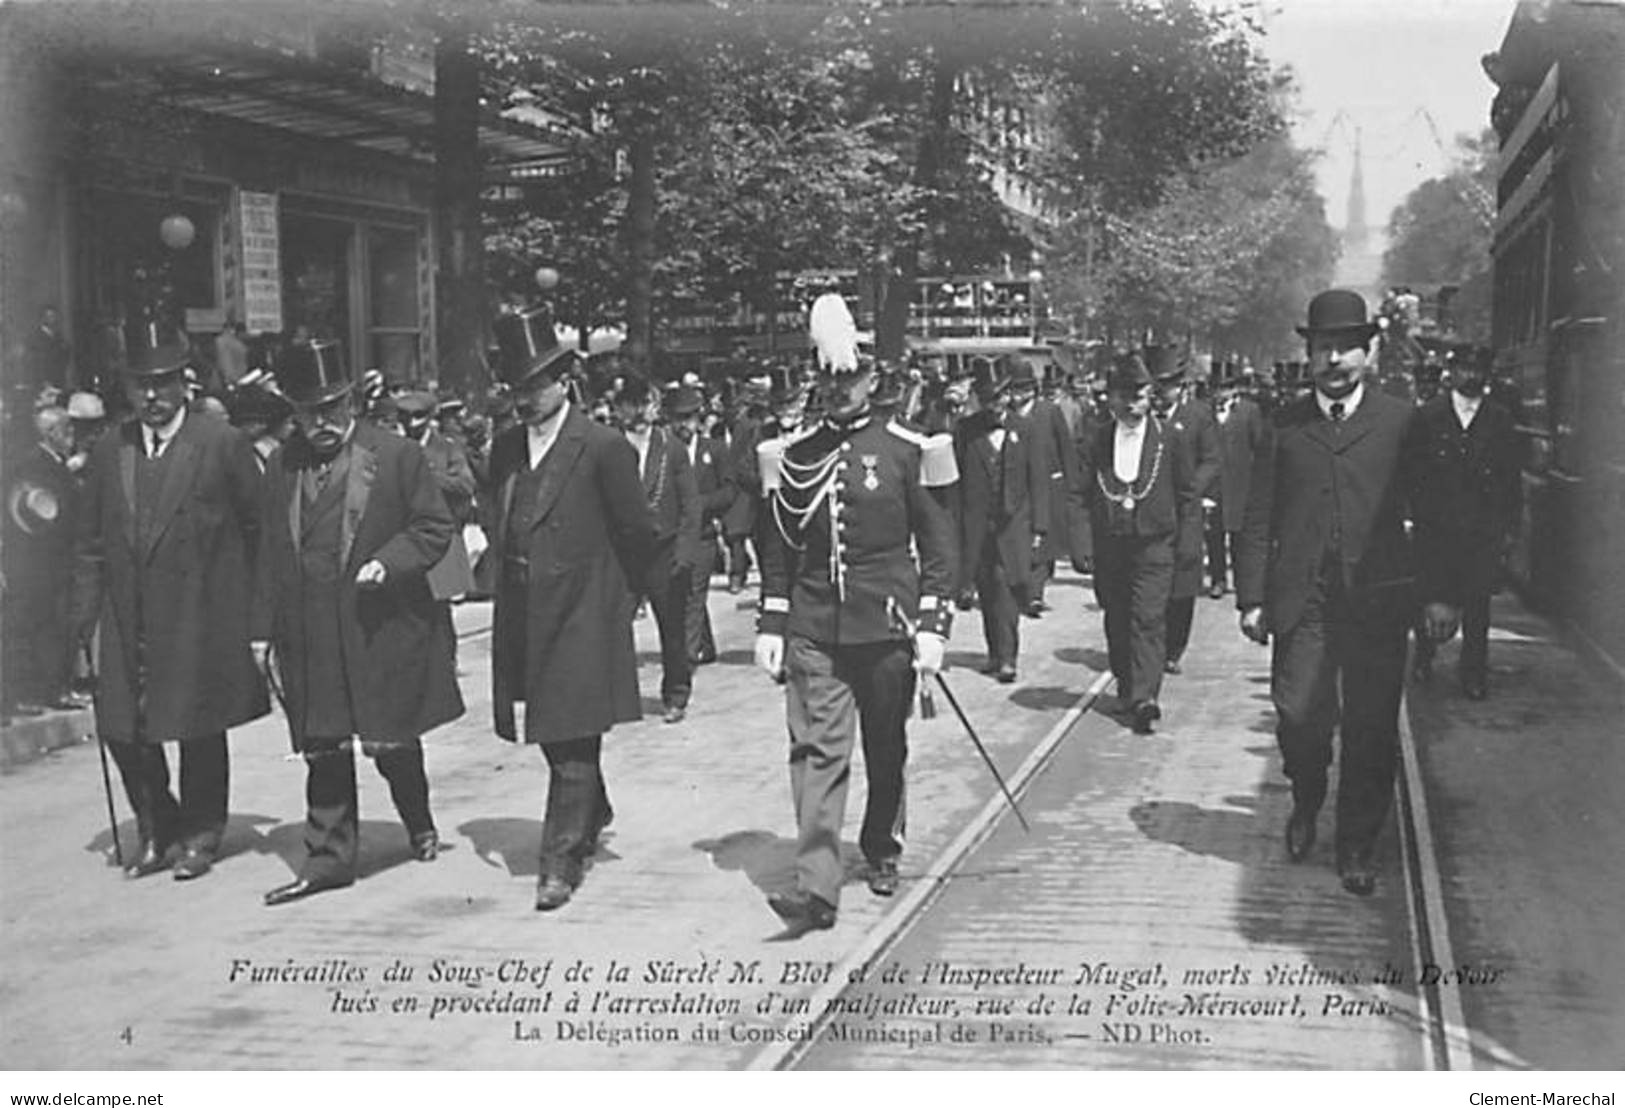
<point>1355,231</point>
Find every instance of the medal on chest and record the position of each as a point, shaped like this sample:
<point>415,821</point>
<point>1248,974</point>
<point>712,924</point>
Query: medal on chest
<point>871,480</point>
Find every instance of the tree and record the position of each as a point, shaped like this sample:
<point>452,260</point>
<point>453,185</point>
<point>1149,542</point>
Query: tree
<point>1441,235</point>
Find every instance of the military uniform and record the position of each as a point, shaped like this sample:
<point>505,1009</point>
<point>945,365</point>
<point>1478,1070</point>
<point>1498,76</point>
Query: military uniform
<point>845,507</point>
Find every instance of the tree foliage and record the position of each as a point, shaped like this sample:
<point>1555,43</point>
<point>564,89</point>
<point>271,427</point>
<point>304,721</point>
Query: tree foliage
<point>1439,235</point>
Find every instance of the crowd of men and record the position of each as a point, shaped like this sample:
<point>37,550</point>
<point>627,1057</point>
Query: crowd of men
<point>301,540</point>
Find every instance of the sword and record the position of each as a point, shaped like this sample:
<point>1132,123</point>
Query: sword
<point>900,619</point>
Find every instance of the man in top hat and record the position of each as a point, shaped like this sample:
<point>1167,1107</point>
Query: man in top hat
<point>847,507</point>
<point>453,575</point>
<point>353,523</point>
<point>1138,482</point>
<point>1466,507</point>
<point>1324,566</point>
<point>1184,416</point>
<point>1044,427</point>
<point>168,523</point>
<point>708,461</point>
<point>574,535</point>
<point>1004,511</point>
<point>1242,432</point>
<point>674,506</point>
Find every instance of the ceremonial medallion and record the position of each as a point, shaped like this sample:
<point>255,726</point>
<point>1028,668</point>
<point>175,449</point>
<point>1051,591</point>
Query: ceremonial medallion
<point>870,480</point>
<point>1128,503</point>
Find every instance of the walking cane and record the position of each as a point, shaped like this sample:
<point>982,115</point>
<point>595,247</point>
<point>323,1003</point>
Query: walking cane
<point>107,778</point>
<point>900,619</point>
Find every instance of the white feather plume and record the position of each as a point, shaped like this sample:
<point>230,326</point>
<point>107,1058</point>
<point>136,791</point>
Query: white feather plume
<point>834,333</point>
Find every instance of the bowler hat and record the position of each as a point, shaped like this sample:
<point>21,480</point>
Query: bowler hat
<point>1128,373</point>
<point>683,401</point>
<point>313,373</point>
<point>1338,311</point>
<point>153,349</point>
<point>989,375</point>
<point>414,403</point>
<point>528,344</point>
<point>1022,374</point>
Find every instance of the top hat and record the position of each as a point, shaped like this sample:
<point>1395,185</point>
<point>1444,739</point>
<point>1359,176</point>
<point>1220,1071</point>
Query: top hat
<point>684,401</point>
<point>1165,363</point>
<point>784,383</point>
<point>1022,374</point>
<point>989,375</point>
<point>154,349</point>
<point>313,373</point>
<point>1128,373</point>
<point>1338,311</point>
<point>529,345</point>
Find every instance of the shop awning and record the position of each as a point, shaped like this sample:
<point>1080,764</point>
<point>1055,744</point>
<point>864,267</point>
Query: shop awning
<point>328,102</point>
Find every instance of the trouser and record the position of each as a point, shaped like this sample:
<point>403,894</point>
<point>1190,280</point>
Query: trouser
<point>1334,671</point>
<point>668,598</point>
<point>332,812</point>
<point>830,691</point>
<point>738,561</point>
<point>198,818</point>
<point>578,807</point>
<point>1133,577</point>
<point>1181,615</point>
<point>1002,603</point>
<point>1042,570</point>
<point>698,641</point>
<point>1221,546</point>
<point>38,652</point>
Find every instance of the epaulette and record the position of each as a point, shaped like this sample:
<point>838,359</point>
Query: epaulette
<point>938,467</point>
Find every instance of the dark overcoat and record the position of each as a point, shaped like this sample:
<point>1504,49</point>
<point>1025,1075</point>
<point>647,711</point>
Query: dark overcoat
<point>674,507</point>
<point>453,575</point>
<point>1192,421</point>
<point>739,520</point>
<point>572,626</point>
<point>710,464</point>
<point>176,601</point>
<point>1319,486</point>
<point>1052,438</point>
<point>397,641</point>
<point>1008,496</point>
<point>1241,436</point>
<point>1467,497</point>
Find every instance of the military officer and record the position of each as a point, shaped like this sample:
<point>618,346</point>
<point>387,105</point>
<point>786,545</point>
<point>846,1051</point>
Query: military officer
<point>846,505</point>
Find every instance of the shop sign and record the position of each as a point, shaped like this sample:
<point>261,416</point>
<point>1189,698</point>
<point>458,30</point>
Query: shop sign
<point>262,262</point>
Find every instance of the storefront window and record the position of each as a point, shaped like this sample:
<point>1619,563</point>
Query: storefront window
<point>316,277</point>
<point>394,326</point>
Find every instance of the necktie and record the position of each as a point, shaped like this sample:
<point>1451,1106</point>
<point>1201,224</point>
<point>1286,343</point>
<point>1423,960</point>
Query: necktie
<point>155,445</point>
<point>1337,411</point>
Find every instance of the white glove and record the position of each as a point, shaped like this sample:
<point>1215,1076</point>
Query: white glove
<point>770,655</point>
<point>1208,503</point>
<point>474,538</point>
<point>928,651</point>
<point>371,575</point>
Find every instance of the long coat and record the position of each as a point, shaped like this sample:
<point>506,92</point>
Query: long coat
<point>1241,435</point>
<point>572,626</point>
<point>448,463</point>
<point>1008,496</point>
<point>1195,424</point>
<point>397,642</point>
<point>739,519</point>
<point>1313,474</point>
<point>1052,437</point>
<point>710,464</point>
<point>176,602</point>
<point>674,507</point>
<point>1467,497</point>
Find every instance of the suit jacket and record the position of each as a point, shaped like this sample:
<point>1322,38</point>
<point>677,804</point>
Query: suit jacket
<point>564,643</point>
<point>1195,423</point>
<point>1166,478</point>
<point>674,505</point>
<point>1467,498</point>
<point>397,641</point>
<point>1340,489</point>
<point>1241,436</point>
<point>1005,493</point>
<point>740,518</point>
<point>711,481</point>
<point>173,604</point>
<point>1057,459</point>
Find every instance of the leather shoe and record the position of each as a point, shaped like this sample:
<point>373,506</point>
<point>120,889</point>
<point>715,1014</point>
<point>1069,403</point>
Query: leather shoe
<point>1359,876</point>
<point>1216,591</point>
<point>1145,713</point>
<point>675,713</point>
<point>704,658</point>
<point>1300,833</point>
<point>195,862</point>
<point>992,668</point>
<point>150,860</point>
<point>803,910</point>
<point>883,877</point>
<point>1006,675</point>
<point>553,892</point>
<point>300,888</point>
<point>426,846</point>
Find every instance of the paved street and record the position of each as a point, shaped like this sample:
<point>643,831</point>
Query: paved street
<point>1143,851</point>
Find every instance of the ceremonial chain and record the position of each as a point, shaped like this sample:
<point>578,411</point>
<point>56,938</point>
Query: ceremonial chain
<point>1128,497</point>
